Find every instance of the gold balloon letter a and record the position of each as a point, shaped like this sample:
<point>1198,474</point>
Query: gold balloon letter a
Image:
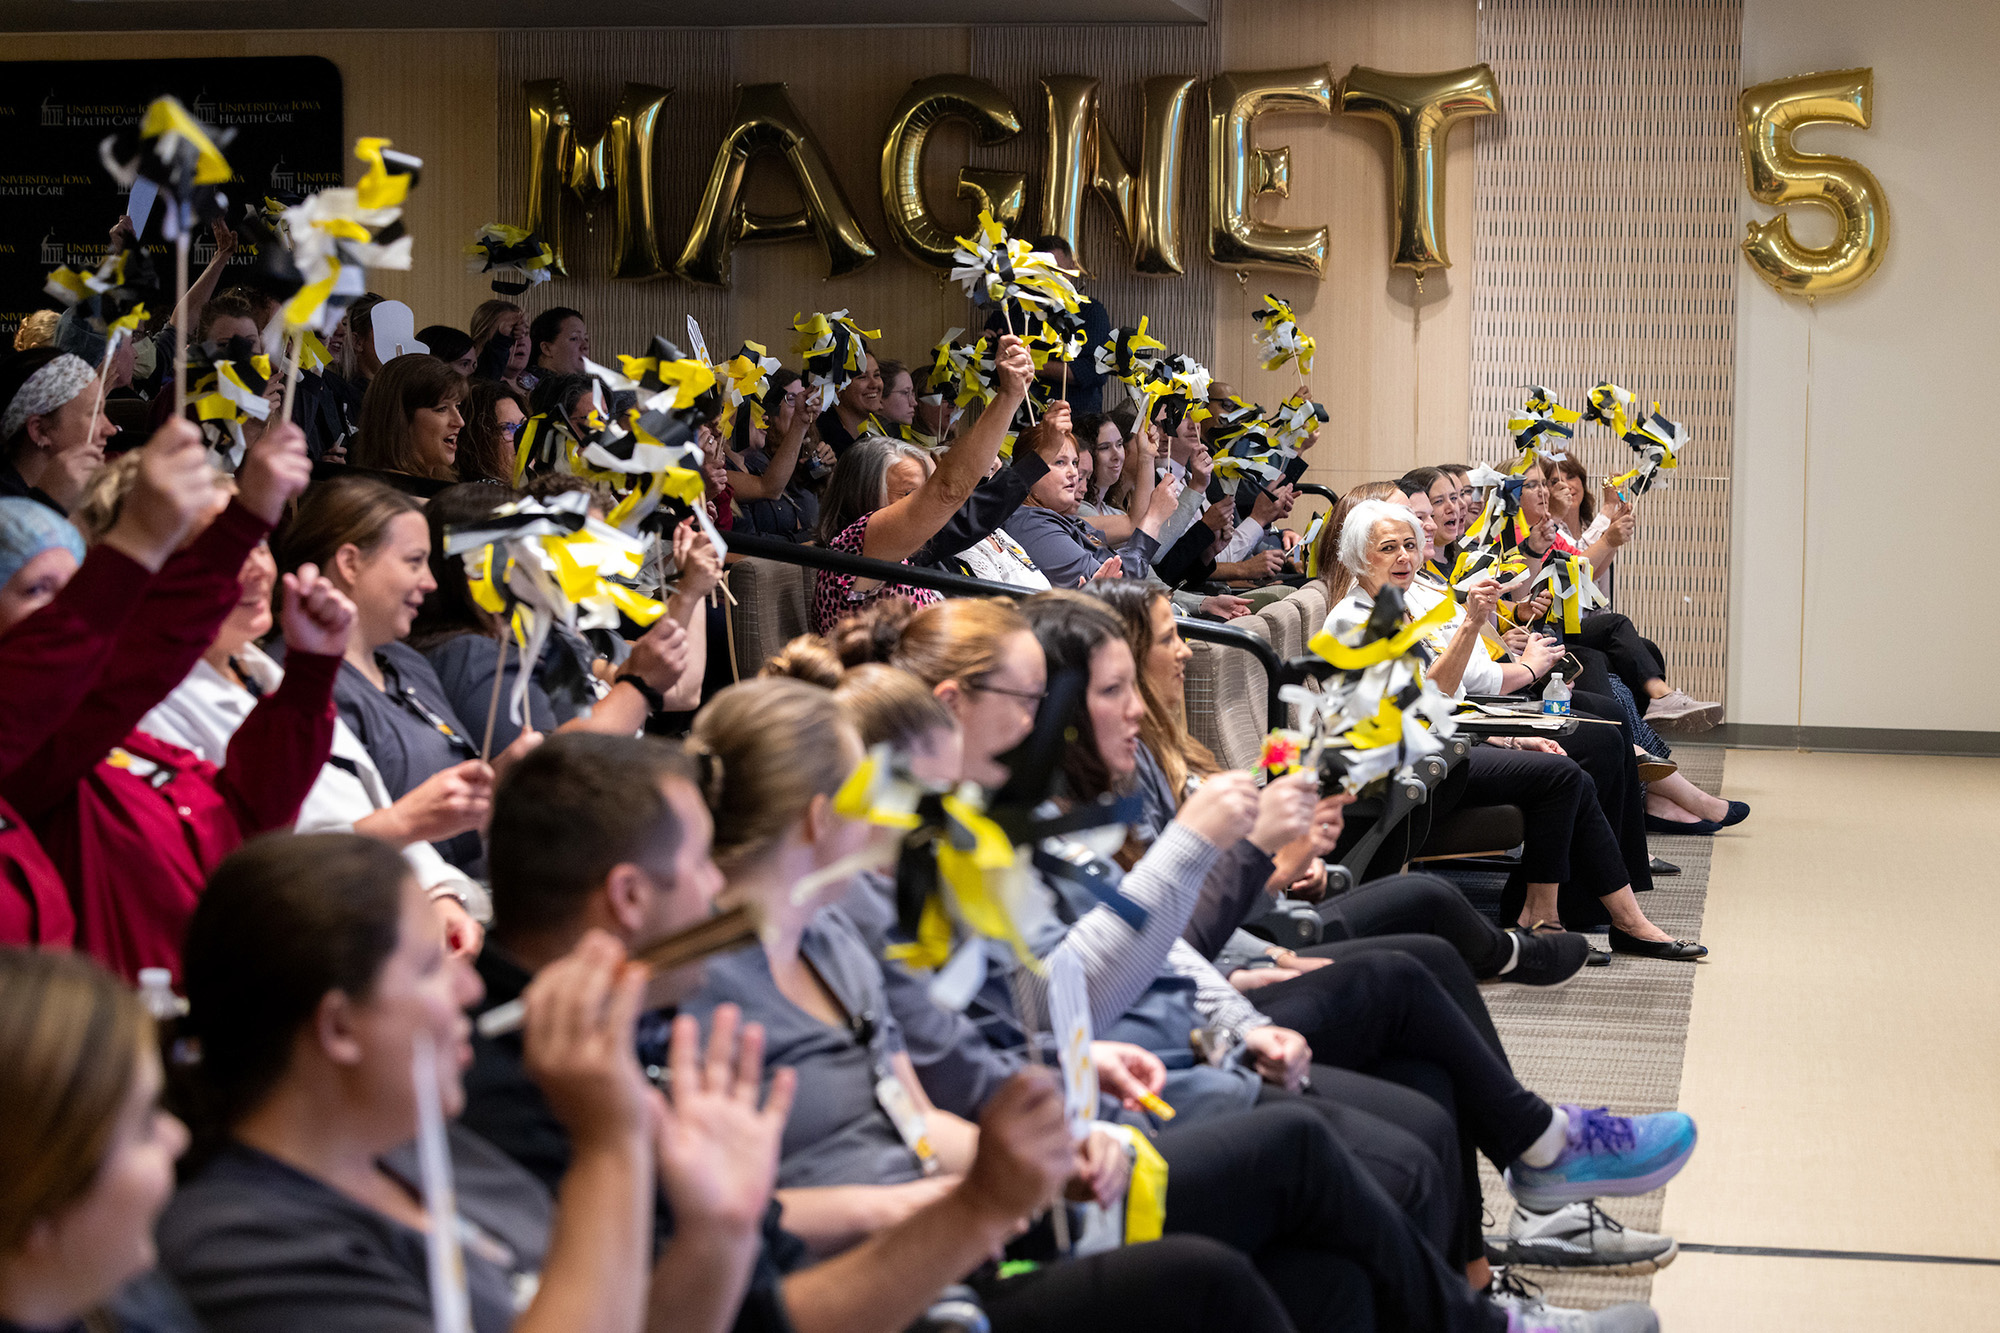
<point>1419,110</point>
<point>1238,172</point>
<point>1768,115</point>
<point>1083,156</point>
<point>929,101</point>
<point>620,161</point>
<point>767,122</point>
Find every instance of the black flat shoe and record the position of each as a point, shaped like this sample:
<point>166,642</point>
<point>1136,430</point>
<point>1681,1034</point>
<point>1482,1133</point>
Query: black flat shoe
<point>1652,768</point>
<point>1662,868</point>
<point>1680,951</point>
<point>1738,812</point>
<point>1699,827</point>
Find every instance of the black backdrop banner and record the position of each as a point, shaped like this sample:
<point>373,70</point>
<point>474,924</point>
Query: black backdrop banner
<point>57,202</point>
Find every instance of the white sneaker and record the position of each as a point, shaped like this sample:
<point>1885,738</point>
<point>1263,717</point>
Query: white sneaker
<point>1676,711</point>
<point>1528,1313</point>
<point>1580,1236</point>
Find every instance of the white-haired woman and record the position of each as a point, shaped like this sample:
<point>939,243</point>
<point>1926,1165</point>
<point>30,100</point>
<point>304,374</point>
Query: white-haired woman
<point>1572,863</point>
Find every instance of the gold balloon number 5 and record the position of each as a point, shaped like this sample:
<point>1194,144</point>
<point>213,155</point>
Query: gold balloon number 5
<point>1768,115</point>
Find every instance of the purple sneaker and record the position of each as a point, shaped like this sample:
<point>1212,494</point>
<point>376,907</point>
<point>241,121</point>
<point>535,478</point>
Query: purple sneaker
<point>1607,1155</point>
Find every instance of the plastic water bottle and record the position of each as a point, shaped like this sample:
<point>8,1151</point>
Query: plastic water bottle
<point>1555,696</point>
<point>156,994</point>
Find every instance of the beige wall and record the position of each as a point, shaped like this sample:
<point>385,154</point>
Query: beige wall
<point>432,93</point>
<point>1861,594</point>
<point>1393,368</point>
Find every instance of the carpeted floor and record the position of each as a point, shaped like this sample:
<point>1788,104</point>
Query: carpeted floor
<point>1612,1037</point>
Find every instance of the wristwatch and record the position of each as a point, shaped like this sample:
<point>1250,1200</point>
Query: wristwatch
<point>655,701</point>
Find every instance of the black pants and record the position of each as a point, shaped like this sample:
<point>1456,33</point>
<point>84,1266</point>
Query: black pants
<point>1632,658</point>
<point>1605,753</point>
<point>1373,1007</point>
<point>1177,1284</point>
<point>1451,972</point>
<point>1417,905</point>
<point>1277,1184</point>
<point>1568,842</point>
<point>1407,1140</point>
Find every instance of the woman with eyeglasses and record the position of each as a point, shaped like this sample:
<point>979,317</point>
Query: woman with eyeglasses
<point>494,412</point>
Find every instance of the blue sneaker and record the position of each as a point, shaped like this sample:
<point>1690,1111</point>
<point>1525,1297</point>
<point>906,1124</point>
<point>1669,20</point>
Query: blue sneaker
<point>1607,1155</point>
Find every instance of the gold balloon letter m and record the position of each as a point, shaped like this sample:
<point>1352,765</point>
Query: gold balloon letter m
<point>1777,173</point>
<point>620,162</point>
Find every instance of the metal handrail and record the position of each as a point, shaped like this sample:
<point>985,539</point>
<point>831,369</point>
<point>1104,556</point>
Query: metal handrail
<point>958,585</point>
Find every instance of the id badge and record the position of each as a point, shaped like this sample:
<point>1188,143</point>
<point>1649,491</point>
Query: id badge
<point>909,1121</point>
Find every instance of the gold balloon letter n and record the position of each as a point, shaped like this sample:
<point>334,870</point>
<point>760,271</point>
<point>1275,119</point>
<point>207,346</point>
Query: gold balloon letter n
<point>1777,173</point>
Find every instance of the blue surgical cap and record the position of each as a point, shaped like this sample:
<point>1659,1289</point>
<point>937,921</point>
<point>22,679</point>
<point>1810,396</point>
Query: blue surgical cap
<point>28,528</point>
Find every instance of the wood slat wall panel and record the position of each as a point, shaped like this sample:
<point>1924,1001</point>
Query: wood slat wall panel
<point>1606,242</point>
<point>1392,364</point>
<point>1182,309</point>
<point>595,66</point>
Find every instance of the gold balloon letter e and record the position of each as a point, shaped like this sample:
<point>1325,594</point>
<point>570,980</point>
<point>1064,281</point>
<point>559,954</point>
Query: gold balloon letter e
<point>1239,172</point>
<point>1777,173</point>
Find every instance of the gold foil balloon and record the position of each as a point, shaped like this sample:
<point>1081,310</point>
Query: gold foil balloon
<point>1238,172</point>
<point>551,147</point>
<point>619,162</point>
<point>928,103</point>
<point>767,122</point>
<point>1768,114</point>
<point>1419,110</point>
<point>1004,194</point>
<point>1082,156</point>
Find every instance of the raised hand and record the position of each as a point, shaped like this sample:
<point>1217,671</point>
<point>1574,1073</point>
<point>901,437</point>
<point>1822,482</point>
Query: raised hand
<point>659,657</point>
<point>1025,1153</point>
<point>1284,811</point>
<point>275,469</point>
<point>1126,1071</point>
<point>578,1042</point>
<point>695,557</point>
<point>315,615</point>
<point>174,490</point>
<point>449,802</point>
<point>1223,809</point>
<point>1013,367</point>
<point>717,1147</point>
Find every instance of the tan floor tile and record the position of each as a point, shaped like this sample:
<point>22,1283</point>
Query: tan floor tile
<point>1843,1056</point>
<point>1715,1293</point>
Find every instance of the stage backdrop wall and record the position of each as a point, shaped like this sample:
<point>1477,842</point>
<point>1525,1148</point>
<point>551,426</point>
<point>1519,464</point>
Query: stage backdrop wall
<point>431,92</point>
<point>1392,368</point>
<point>1860,594</point>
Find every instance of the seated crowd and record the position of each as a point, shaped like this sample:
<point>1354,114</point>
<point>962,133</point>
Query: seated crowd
<point>255,752</point>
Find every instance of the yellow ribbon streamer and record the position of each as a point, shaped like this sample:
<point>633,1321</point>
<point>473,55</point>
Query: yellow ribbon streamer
<point>1381,650</point>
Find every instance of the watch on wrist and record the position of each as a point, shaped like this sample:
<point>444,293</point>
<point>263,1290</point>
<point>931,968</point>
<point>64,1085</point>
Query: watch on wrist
<point>655,701</point>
